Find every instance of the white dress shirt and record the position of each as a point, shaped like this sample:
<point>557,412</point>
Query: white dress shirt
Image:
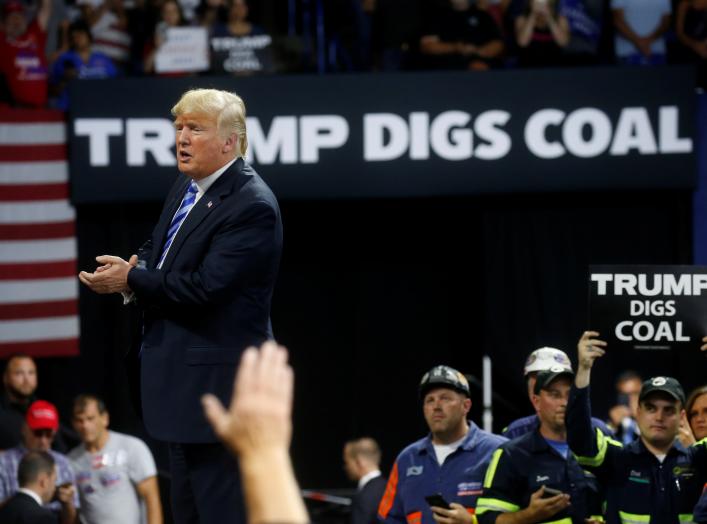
<point>202,186</point>
<point>367,478</point>
<point>32,494</point>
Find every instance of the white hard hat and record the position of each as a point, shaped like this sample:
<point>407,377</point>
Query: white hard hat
<point>545,358</point>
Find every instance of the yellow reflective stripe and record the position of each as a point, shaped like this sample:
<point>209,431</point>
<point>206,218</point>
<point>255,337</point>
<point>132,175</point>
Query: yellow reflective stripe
<point>491,470</point>
<point>603,443</point>
<point>561,521</point>
<point>632,518</point>
<point>686,518</point>
<point>598,518</point>
<point>702,442</point>
<point>485,504</point>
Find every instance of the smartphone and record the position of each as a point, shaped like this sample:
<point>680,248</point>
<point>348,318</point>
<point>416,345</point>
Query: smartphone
<point>438,501</point>
<point>55,497</point>
<point>550,492</point>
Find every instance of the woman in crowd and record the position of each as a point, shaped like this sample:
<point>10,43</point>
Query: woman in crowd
<point>79,62</point>
<point>212,13</point>
<point>541,33</point>
<point>239,46</point>
<point>170,16</point>
<point>696,409</point>
<point>238,23</point>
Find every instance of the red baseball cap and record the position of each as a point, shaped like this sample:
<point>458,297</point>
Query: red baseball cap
<point>42,415</point>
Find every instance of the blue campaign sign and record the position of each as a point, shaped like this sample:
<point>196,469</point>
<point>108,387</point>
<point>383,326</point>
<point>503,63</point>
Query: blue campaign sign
<point>405,135</point>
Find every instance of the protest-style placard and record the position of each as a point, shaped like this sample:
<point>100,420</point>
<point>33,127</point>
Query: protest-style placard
<point>241,54</point>
<point>649,307</point>
<point>185,50</point>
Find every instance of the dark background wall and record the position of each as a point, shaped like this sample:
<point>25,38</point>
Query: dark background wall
<point>372,293</point>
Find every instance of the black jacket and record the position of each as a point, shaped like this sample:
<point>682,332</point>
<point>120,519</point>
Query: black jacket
<point>364,507</point>
<point>209,301</point>
<point>520,467</point>
<point>23,509</point>
<point>638,487</point>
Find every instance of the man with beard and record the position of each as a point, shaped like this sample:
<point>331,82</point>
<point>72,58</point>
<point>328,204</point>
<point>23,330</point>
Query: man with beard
<point>20,383</point>
<point>449,462</point>
<point>535,478</point>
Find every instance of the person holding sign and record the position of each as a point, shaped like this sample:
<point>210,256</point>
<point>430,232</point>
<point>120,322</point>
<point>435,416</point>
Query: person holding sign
<point>653,479</point>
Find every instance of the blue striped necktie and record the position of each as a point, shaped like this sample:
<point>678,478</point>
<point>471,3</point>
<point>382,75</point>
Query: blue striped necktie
<point>179,216</point>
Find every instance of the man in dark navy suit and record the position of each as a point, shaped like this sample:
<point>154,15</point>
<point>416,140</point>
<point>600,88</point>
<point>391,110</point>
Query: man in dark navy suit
<point>362,464</point>
<point>36,475</point>
<point>204,282</point>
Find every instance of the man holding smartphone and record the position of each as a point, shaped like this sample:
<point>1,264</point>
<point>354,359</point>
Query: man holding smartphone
<point>438,478</point>
<point>535,478</point>
<point>38,432</point>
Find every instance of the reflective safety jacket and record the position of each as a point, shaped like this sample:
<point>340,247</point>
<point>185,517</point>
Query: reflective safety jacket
<point>520,467</point>
<point>417,474</point>
<point>521,426</point>
<point>639,488</point>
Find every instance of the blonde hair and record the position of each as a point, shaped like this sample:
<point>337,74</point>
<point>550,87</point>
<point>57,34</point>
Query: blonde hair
<point>696,393</point>
<point>228,108</point>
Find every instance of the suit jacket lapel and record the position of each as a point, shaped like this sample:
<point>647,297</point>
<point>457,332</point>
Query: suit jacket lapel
<point>209,201</point>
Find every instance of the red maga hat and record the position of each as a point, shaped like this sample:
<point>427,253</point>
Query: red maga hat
<point>42,415</point>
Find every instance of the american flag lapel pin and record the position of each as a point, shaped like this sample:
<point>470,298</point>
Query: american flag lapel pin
<point>209,203</point>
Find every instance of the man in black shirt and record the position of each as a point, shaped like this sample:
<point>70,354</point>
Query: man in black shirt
<point>462,36</point>
<point>20,383</point>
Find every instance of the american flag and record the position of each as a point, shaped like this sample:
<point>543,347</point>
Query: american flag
<point>38,284</point>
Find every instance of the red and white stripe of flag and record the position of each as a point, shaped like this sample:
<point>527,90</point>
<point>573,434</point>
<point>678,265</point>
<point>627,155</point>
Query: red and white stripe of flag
<point>38,284</point>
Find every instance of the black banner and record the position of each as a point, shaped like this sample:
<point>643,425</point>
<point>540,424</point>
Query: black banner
<point>649,307</point>
<point>403,135</point>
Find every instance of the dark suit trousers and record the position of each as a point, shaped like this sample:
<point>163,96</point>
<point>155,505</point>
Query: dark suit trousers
<point>206,485</point>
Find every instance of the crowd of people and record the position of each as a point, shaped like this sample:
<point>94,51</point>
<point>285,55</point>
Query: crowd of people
<point>58,474</point>
<point>210,265</point>
<point>556,465</point>
<point>44,44</point>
